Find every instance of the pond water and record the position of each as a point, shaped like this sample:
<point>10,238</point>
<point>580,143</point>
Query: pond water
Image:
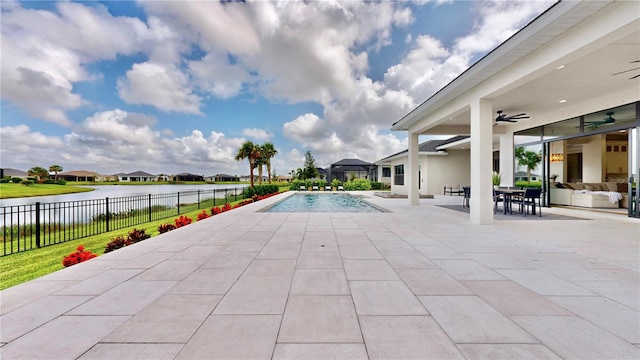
<point>112,191</point>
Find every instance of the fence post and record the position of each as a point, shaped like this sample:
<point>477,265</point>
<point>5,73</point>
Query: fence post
<point>178,202</point>
<point>214,197</point>
<point>149,207</point>
<point>108,214</point>
<point>38,224</point>
<point>198,199</point>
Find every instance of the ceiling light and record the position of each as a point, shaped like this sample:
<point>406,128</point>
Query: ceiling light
<point>622,131</point>
<point>560,67</point>
<point>562,101</point>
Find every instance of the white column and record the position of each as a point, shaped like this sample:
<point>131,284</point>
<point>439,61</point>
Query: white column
<point>411,173</point>
<point>481,162</point>
<point>506,159</point>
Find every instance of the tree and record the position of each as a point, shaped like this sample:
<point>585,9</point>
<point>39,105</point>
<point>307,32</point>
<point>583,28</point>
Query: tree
<point>310,170</point>
<point>268,152</point>
<point>530,159</point>
<point>38,172</point>
<point>55,169</point>
<point>250,151</point>
<point>260,161</point>
<point>300,174</point>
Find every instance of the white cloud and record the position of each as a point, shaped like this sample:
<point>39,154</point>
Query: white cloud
<point>163,86</point>
<point>257,134</point>
<point>44,53</point>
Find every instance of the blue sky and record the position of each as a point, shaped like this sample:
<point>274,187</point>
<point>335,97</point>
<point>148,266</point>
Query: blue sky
<point>177,86</point>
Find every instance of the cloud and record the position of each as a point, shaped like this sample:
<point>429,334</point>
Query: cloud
<point>163,86</point>
<point>257,134</point>
<point>45,52</point>
<point>115,141</point>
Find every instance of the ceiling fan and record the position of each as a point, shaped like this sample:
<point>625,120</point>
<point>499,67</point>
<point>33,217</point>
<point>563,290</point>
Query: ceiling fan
<point>511,119</point>
<point>633,77</point>
<point>608,120</point>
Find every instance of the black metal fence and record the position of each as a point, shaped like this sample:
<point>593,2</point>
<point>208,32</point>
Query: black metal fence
<point>26,227</point>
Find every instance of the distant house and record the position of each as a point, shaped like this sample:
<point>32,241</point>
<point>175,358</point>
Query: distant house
<point>187,177</point>
<point>345,169</point>
<point>222,178</point>
<point>12,173</point>
<point>78,175</point>
<point>522,176</point>
<point>136,176</point>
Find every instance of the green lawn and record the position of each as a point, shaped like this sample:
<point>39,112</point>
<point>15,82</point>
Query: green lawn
<point>21,267</point>
<point>11,190</point>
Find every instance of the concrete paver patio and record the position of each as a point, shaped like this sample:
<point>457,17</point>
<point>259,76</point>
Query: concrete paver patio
<point>418,282</point>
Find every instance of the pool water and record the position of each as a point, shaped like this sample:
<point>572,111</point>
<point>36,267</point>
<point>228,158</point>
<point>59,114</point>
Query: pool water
<point>323,203</point>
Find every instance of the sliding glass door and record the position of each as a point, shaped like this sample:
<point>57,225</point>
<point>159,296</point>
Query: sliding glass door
<point>634,171</point>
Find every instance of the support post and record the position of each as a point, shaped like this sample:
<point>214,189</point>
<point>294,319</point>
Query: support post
<point>506,159</point>
<point>411,175</point>
<point>481,202</point>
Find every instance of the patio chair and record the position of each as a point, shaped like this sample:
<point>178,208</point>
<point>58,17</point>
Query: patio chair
<point>467,195</point>
<point>452,189</point>
<point>340,188</point>
<point>529,199</point>
<point>315,187</point>
<point>327,188</point>
<point>302,188</point>
<point>496,199</point>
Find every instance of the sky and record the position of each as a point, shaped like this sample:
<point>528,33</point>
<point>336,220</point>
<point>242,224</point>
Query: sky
<point>178,86</point>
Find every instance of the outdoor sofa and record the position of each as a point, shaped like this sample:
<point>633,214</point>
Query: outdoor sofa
<point>591,195</point>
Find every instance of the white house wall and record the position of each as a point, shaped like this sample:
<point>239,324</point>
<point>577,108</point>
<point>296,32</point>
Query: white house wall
<point>454,168</point>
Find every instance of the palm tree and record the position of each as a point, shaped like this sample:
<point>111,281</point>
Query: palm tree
<point>529,159</point>
<point>259,163</point>
<point>268,152</point>
<point>250,151</point>
<point>55,169</point>
<point>38,172</point>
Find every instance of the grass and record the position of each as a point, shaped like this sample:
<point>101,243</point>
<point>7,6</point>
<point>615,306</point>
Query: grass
<point>21,267</point>
<point>11,190</point>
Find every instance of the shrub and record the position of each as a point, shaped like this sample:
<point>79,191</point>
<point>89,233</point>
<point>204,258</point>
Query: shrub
<point>525,184</point>
<point>4,181</point>
<point>116,243</point>
<point>357,184</point>
<point>26,182</point>
<point>61,182</point>
<point>163,228</point>
<point>226,207</point>
<point>295,185</point>
<point>265,189</point>
<point>137,235</point>
<point>182,221</point>
<point>49,181</point>
<point>77,256</point>
<point>16,180</point>
<point>203,215</point>
<point>216,210</point>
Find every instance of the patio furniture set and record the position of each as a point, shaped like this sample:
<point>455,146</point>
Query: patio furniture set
<point>526,199</point>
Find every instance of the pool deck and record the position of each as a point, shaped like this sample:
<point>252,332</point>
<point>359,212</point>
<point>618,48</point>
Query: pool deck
<point>419,282</point>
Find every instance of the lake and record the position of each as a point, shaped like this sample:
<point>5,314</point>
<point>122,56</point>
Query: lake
<point>112,191</point>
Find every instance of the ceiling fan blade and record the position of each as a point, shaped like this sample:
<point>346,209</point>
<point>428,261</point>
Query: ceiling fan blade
<point>635,61</point>
<point>631,78</point>
<point>622,72</point>
<point>516,115</point>
<point>519,117</point>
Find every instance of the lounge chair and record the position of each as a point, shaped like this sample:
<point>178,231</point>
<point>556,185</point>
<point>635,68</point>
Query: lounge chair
<point>315,188</point>
<point>302,188</point>
<point>340,188</point>
<point>327,188</point>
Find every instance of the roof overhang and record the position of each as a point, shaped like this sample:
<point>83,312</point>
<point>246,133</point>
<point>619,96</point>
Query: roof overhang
<point>591,39</point>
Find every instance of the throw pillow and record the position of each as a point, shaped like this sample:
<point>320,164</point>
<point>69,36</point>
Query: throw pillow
<point>623,187</point>
<point>577,186</point>
<point>592,187</point>
<point>610,186</point>
<point>567,186</point>
<point>560,186</point>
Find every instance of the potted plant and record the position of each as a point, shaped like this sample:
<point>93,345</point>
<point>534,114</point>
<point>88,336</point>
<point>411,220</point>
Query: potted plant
<point>334,184</point>
<point>496,179</point>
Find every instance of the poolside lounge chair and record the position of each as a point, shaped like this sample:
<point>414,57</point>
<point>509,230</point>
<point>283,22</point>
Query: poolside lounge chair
<point>340,188</point>
<point>315,188</point>
<point>302,188</point>
<point>327,188</point>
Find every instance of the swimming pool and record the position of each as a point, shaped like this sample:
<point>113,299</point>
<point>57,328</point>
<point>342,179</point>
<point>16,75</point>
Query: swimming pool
<point>323,203</point>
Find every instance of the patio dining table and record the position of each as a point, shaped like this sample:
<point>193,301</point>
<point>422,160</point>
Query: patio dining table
<point>508,195</point>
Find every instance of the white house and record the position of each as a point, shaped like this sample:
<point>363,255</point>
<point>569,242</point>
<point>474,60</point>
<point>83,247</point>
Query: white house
<point>436,167</point>
<point>574,72</point>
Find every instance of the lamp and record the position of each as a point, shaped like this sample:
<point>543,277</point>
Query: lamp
<point>557,157</point>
